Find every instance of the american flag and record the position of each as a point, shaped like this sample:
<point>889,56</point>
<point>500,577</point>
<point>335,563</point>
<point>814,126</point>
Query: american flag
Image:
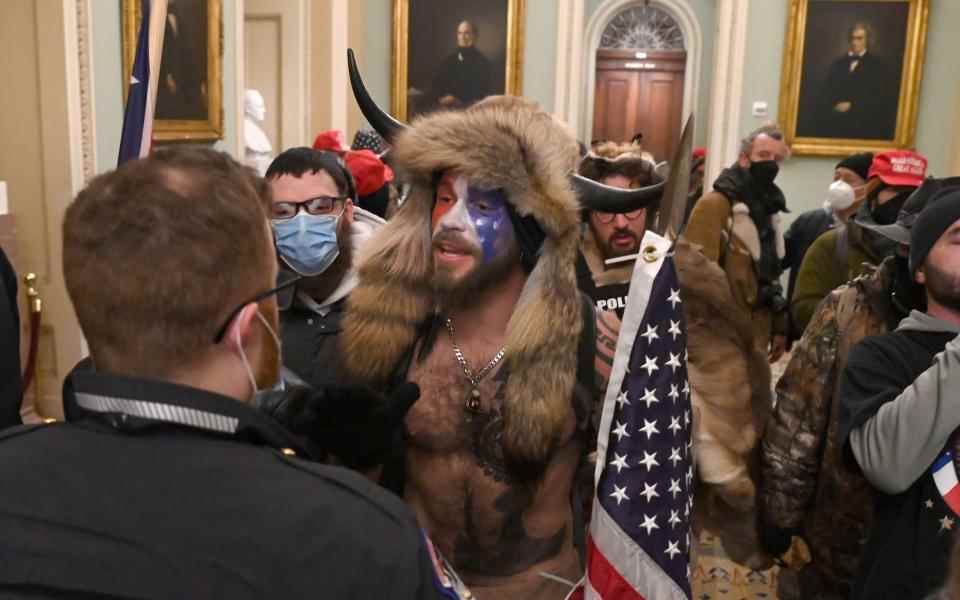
<point>142,93</point>
<point>639,540</point>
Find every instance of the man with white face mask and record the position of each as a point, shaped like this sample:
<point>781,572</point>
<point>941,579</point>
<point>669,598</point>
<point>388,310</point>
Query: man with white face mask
<point>840,255</point>
<point>843,198</point>
<point>317,229</point>
<point>165,481</point>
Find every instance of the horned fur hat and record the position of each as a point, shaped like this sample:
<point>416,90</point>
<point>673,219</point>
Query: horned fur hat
<point>500,143</point>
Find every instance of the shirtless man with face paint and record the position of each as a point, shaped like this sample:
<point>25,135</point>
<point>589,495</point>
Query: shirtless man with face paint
<point>470,292</point>
<point>479,278</point>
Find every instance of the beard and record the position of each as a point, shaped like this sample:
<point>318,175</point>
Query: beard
<point>609,250</point>
<point>454,291</point>
<point>943,286</point>
<point>267,372</point>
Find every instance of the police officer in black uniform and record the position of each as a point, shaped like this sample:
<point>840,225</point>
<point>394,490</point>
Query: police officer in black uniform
<point>165,481</point>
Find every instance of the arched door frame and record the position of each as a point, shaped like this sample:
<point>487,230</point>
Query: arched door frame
<point>681,12</point>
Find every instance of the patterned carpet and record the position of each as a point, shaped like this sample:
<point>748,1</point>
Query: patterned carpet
<point>716,577</point>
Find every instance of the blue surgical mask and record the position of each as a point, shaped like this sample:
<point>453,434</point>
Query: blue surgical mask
<point>307,243</point>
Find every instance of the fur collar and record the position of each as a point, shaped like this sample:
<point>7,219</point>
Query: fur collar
<point>501,142</point>
<point>743,228</point>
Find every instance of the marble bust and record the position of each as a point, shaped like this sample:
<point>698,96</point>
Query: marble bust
<point>259,150</point>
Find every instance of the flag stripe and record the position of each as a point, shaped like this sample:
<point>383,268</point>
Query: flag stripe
<point>608,537</point>
<point>604,578</point>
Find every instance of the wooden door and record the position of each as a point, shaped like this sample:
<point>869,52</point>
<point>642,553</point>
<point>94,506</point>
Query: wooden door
<point>640,92</point>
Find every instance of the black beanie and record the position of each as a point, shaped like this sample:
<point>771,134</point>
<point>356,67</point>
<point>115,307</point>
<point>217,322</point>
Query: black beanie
<point>941,212</point>
<point>858,163</point>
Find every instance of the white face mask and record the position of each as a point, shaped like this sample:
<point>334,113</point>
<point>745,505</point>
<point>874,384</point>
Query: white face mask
<point>840,196</point>
<point>243,355</point>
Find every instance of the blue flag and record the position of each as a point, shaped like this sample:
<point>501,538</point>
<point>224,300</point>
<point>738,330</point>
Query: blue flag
<point>131,141</point>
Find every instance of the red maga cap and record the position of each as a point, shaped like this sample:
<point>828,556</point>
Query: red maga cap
<point>899,167</point>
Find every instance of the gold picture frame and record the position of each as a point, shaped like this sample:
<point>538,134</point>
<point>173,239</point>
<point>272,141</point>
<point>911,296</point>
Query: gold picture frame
<point>513,68</point>
<point>795,102</point>
<point>200,116</point>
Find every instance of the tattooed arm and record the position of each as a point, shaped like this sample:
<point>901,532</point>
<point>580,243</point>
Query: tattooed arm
<point>608,328</point>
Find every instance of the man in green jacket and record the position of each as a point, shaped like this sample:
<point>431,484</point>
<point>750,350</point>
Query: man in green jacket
<point>840,254</point>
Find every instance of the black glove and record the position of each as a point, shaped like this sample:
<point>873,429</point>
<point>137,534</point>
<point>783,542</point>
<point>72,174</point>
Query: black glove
<point>354,423</point>
<point>771,296</point>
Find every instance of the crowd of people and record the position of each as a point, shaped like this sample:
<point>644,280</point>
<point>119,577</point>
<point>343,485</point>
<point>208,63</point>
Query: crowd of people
<point>378,372</point>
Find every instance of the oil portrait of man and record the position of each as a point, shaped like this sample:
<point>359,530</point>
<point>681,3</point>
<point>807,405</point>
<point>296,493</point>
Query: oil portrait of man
<point>853,61</point>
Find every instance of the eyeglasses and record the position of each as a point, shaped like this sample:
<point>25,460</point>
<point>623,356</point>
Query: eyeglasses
<point>321,205</point>
<point>607,218</point>
<point>288,280</point>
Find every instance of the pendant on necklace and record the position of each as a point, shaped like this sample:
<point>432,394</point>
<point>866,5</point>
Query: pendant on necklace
<point>473,400</point>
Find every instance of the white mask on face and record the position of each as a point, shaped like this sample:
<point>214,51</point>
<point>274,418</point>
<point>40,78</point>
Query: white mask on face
<point>840,196</point>
<point>243,355</point>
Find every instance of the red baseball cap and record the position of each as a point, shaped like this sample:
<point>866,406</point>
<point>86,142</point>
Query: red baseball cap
<point>369,172</point>
<point>331,140</point>
<point>899,167</point>
<point>700,152</point>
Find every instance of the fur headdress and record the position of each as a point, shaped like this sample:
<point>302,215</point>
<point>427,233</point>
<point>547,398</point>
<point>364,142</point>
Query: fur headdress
<point>510,144</point>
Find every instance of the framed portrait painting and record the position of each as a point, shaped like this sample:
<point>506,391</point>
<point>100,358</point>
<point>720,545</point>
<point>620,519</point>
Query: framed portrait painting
<point>190,85</point>
<point>448,54</point>
<point>851,74</point>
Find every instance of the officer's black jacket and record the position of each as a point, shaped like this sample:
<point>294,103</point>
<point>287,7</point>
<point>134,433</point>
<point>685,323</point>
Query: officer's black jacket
<point>156,490</point>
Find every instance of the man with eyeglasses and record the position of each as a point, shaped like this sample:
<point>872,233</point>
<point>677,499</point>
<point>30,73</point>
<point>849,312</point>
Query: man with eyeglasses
<point>317,230</point>
<point>165,481</point>
<point>612,240</point>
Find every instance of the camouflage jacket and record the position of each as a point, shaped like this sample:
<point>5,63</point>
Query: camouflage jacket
<point>805,484</point>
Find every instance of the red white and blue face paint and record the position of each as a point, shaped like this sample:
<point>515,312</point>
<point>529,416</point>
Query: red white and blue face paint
<point>468,220</point>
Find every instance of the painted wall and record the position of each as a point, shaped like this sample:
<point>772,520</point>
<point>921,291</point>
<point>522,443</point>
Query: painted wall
<point>108,76</point>
<point>379,50</point>
<point>805,179</point>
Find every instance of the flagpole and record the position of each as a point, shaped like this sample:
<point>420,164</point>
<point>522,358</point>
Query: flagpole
<point>158,19</point>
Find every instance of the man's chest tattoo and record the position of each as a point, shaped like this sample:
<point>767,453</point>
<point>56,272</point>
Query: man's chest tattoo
<point>513,550</point>
<point>486,431</point>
